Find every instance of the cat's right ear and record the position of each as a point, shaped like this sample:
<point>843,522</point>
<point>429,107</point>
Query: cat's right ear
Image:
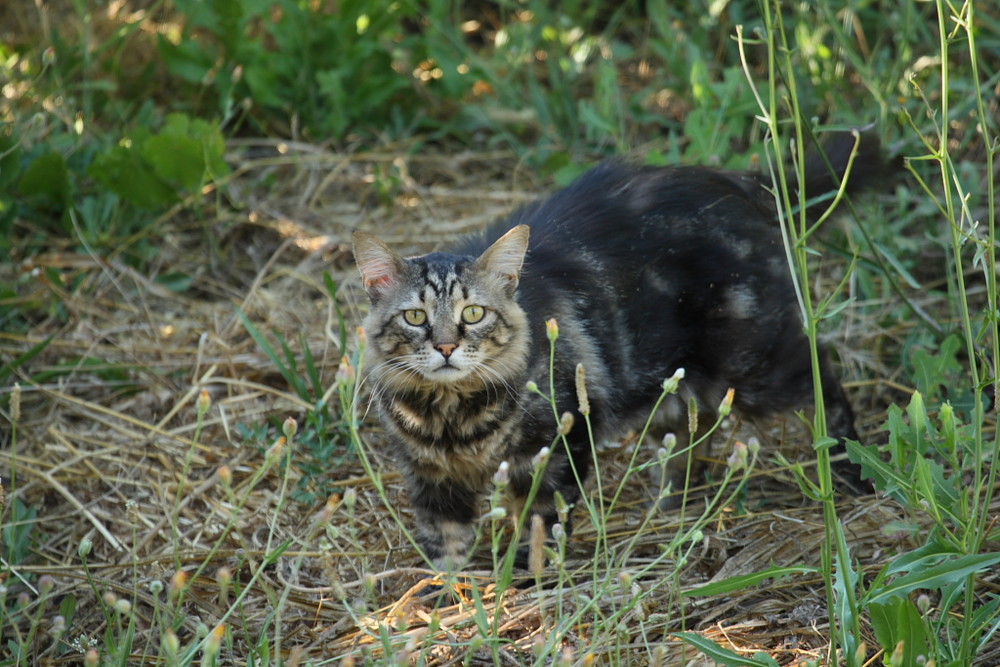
<point>380,267</point>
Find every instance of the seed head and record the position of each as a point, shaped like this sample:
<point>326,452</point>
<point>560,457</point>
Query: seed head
<point>213,644</point>
<point>498,513</point>
<point>692,415</point>
<point>92,658</point>
<point>83,550</point>
<point>223,577</point>
<point>177,584</point>
<point>562,507</point>
<point>738,459</point>
<point>350,498</point>
<point>204,403</point>
<point>566,423</point>
<point>671,383</point>
<point>501,478</point>
<point>274,451</point>
<point>727,403</point>
<point>289,427</point>
<point>541,458</point>
<point>225,475</point>
<point>897,654</point>
<point>171,643</point>
<point>345,372</point>
<point>861,653</point>
<point>552,329</point>
<point>536,543</point>
<point>58,626</point>
<point>581,390</point>
<point>362,336</point>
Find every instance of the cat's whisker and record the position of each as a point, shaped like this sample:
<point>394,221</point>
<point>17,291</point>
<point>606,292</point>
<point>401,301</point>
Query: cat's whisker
<point>491,376</point>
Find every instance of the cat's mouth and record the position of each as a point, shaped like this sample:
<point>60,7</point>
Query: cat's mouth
<point>446,370</point>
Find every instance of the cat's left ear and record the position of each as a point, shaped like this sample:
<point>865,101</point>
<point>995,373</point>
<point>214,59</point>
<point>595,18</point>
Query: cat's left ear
<point>506,255</point>
<point>381,268</point>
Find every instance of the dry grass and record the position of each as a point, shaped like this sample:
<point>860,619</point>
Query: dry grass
<point>105,451</point>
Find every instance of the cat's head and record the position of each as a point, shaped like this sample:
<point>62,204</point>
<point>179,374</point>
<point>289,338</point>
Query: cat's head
<point>441,319</point>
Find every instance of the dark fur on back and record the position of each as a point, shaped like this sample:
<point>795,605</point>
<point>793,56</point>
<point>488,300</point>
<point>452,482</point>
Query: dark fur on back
<point>646,270</point>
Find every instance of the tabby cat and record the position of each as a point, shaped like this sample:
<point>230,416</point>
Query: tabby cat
<point>646,270</point>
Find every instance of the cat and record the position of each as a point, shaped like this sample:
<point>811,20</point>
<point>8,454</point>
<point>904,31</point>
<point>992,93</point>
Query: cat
<point>646,270</point>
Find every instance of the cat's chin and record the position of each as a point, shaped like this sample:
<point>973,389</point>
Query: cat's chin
<point>446,374</point>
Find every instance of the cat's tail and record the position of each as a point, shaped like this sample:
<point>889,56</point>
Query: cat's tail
<point>856,156</point>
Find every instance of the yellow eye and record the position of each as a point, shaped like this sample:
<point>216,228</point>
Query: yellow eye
<point>472,314</point>
<point>415,317</point>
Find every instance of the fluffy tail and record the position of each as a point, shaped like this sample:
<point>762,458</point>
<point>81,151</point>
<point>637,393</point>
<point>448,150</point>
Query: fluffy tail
<point>827,167</point>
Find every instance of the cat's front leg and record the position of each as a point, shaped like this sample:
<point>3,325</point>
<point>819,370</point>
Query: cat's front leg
<point>446,510</point>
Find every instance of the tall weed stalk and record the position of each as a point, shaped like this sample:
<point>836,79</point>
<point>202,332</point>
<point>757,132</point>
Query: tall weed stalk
<point>955,501</point>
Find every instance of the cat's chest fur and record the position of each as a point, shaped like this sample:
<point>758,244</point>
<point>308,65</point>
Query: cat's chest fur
<point>452,433</point>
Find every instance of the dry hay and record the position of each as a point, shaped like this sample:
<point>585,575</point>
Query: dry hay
<point>105,448</point>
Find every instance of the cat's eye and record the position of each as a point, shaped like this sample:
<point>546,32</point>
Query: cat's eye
<point>472,314</point>
<point>415,317</point>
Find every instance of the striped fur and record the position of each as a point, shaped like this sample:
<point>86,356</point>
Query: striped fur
<point>646,270</point>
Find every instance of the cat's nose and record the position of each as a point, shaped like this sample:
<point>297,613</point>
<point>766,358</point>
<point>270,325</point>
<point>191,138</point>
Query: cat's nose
<point>446,349</point>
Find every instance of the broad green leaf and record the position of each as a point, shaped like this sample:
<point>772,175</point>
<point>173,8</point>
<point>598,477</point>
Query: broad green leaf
<point>176,159</point>
<point>932,578</point>
<point>723,655</point>
<point>746,580</point>
<point>898,620</point>
<point>125,173</point>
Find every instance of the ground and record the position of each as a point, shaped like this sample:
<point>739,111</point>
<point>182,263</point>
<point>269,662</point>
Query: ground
<point>302,553</point>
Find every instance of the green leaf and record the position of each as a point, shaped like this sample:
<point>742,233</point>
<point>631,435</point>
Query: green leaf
<point>67,608</point>
<point>10,161</point>
<point>936,577</point>
<point>124,172</point>
<point>46,179</point>
<point>746,580</point>
<point>191,60</point>
<point>898,620</point>
<point>896,264</point>
<point>925,556</point>
<point>176,159</point>
<point>723,655</point>
<point>213,146</point>
<point>175,282</point>
<point>8,368</point>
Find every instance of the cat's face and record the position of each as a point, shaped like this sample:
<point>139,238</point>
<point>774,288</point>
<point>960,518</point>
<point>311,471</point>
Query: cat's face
<point>443,320</point>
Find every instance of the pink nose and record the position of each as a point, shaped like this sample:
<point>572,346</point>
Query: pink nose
<point>446,349</point>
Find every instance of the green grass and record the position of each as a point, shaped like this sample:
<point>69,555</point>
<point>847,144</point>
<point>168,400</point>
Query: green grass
<point>114,164</point>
